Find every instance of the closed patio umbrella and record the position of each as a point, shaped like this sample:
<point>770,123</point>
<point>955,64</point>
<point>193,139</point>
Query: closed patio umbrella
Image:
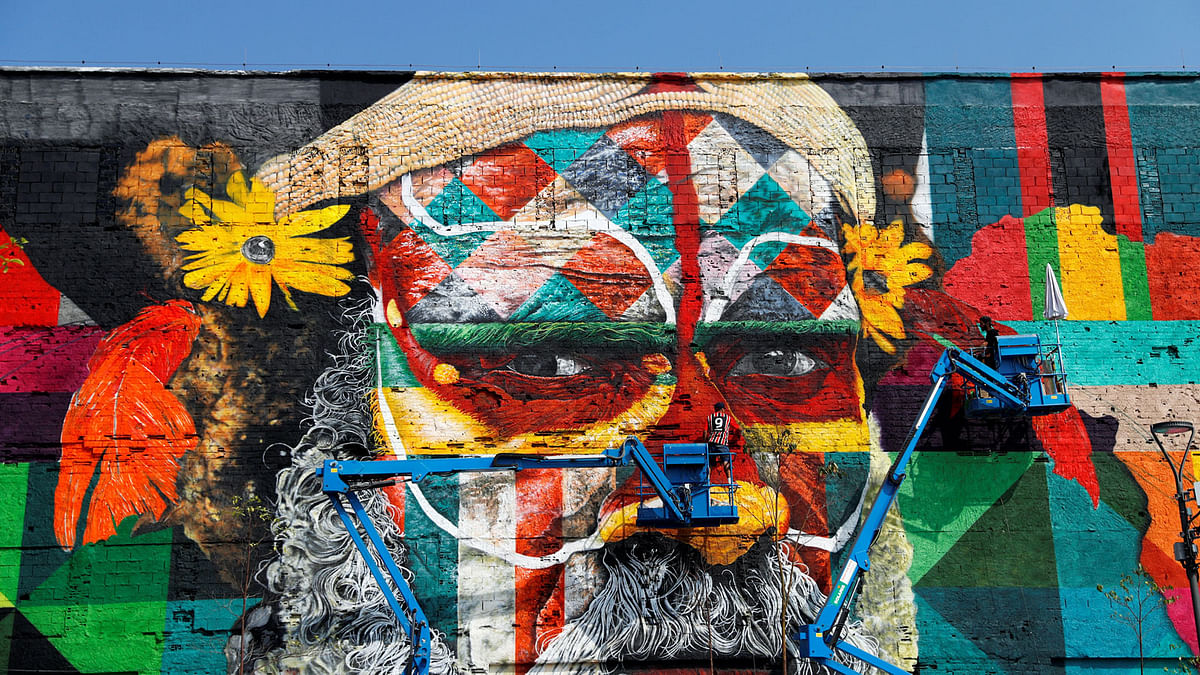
<point>1056,307</point>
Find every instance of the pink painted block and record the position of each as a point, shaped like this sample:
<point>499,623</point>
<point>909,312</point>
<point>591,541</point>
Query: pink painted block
<point>49,359</point>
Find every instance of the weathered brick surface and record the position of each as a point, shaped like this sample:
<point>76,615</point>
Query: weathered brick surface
<point>208,280</point>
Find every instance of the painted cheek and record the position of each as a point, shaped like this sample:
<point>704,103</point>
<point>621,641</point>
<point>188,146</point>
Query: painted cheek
<point>764,399</point>
<point>511,403</point>
<point>425,422</point>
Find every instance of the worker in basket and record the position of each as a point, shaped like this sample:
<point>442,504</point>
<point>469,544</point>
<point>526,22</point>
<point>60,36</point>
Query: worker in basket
<point>721,429</point>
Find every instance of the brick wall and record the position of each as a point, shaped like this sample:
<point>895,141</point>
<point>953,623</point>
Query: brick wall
<point>211,282</point>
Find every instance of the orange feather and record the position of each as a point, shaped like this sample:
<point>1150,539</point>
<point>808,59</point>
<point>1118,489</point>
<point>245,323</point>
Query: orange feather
<point>124,432</point>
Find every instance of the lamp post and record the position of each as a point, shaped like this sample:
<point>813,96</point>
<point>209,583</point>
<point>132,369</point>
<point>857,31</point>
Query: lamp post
<point>1185,551</point>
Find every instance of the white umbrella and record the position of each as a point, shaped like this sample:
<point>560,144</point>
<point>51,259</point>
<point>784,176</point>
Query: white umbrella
<point>1056,307</point>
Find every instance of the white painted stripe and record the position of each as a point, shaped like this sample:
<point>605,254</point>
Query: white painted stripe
<point>486,584</point>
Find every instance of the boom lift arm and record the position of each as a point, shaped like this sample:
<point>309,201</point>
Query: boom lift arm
<point>686,463</point>
<point>821,638</point>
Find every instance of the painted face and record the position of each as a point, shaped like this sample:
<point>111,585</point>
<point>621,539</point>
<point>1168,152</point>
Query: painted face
<point>561,293</point>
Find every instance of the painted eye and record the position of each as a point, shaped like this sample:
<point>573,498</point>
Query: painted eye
<point>547,365</point>
<point>777,362</point>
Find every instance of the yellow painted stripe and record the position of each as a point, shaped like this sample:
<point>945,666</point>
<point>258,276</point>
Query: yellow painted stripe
<point>1091,266</point>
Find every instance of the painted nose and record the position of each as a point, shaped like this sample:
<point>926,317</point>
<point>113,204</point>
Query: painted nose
<point>760,508</point>
<point>686,418</point>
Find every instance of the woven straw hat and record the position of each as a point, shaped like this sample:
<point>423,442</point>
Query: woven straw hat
<point>439,117</point>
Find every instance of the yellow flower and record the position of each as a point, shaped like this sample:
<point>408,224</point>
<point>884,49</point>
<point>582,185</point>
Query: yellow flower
<point>240,247</point>
<point>879,252</point>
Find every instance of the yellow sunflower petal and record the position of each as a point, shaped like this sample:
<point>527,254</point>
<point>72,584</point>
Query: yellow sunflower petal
<point>325,251</point>
<point>307,222</point>
<point>287,295</point>
<point>210,258</point>
<point>232,214</point>
<point>892,236</point>
<point>853,243</point>
<point>213,290</point>
<point>195,212</point>
<point>210,238</point>
<point>236,188</point>
<point>916,251</point>
<point>207,275</point>
<point>261,202</point>
<point>879,338</point>
<point>198,195</point>
<point>910,274</point>
<point>309,278</point>
<point>239,286</point>
<point>293,267</point>
<point>260,288</point>
<point>881,312</point>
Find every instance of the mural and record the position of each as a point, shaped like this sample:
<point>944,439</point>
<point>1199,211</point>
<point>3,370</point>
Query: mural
<point>202,302</point>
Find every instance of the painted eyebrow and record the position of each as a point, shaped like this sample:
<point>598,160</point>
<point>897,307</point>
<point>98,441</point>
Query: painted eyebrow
<point>501,337</point>
<point>707,332</point>
<point>645,337</point>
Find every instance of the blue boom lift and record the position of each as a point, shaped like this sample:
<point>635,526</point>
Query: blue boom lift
<point>1026,381</point>
<point>680,493</point>
<point>677,490</point>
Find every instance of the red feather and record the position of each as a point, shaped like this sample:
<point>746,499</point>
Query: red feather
<point>124,430</point>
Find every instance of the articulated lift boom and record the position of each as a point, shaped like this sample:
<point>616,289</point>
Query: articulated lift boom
<point>1025,382</point>
<point>680,494</point>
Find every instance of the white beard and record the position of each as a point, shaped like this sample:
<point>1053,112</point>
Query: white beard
<point>659,603</point>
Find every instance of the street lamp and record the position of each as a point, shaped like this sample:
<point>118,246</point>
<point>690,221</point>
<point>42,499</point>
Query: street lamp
<point>1185,551</point>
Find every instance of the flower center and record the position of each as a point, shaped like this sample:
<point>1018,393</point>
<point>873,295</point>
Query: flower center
<point>259,249</point>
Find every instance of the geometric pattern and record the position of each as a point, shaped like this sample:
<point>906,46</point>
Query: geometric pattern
<point>118,589</point>
<point>766,300</point>
<point>723,170</point>
<point>505,270</point>
<point>574,184</point>
<point>644,139</point>
<point>814,276</point>
<point>561,147</point>
<point>649,215</point>
<point>506,178</point>
<point>558,300</point>
<point>764,207</point>
<point>606,175</point>
<point>607,274</point>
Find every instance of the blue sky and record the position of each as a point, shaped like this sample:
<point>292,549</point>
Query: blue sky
<point>608,35</point>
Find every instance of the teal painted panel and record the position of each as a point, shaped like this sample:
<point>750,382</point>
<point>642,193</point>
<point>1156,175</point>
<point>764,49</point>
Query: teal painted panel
<point>433,555</point>
<point>1164,123</point>
<point>195,633</point>
<point>969,113</point>
<point>971,143</point>
<point>1099,353</point>
<point>1092,632</point>
<point>942,642</point>
<point>1163,112</point>
<point>561,147</point>
<point>1097,546</point>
